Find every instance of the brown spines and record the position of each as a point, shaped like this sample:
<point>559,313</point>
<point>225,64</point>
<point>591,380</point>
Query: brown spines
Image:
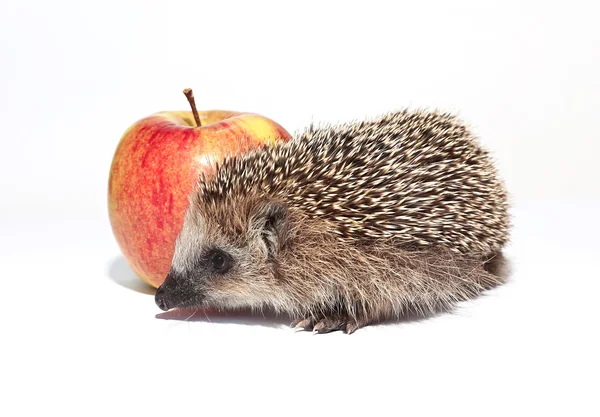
<point>419,178</point>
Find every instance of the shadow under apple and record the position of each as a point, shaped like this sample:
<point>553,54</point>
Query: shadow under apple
<point>120,273</point>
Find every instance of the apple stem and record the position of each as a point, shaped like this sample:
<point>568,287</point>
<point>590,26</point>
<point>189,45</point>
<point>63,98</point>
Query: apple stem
<point>190,96</point>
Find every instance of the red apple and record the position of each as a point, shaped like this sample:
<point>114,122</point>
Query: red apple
<point>155,168</point>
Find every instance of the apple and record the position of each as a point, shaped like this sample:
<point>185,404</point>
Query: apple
<point>155,167</point>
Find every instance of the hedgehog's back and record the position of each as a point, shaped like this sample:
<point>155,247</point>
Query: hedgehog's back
<point>417,178</point>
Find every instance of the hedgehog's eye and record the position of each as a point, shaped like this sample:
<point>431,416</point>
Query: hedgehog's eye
<point>220,261</point>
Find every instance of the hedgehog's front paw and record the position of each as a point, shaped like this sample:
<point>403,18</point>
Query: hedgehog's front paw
<point>327,324</point>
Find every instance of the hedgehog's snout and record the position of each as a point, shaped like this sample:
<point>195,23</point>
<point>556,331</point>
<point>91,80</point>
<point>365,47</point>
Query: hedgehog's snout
<point>163,298</point>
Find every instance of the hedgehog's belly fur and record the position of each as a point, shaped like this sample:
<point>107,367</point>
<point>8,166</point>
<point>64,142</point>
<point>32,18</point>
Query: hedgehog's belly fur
<point>376,280</point>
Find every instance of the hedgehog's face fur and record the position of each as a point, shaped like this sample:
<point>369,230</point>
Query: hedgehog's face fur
<point>226,256</point>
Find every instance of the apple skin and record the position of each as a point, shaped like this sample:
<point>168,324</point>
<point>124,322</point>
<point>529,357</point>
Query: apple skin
<point>154,170</point>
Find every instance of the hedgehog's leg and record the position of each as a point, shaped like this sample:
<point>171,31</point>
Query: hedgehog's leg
<point>321,324</point>
<point>321,320</point>
<point>333,320</point>
<point>329,323</point>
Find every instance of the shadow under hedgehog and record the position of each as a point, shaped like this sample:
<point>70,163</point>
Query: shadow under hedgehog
<point>346,225</point>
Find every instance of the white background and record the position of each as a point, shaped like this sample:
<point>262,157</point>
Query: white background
<point>80,334</point>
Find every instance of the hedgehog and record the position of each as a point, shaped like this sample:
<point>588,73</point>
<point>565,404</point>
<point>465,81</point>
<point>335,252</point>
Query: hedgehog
<point>346,225</point>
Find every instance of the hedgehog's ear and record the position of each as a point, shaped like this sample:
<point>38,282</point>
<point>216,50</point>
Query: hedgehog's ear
<point>270,224</point>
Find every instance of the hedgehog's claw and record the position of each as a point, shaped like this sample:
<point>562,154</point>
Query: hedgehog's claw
<point>330,324</point>
<point>302,324</point>
<point>352,326</point>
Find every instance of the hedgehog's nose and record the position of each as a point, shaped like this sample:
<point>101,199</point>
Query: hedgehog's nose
<point>161,299</point>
